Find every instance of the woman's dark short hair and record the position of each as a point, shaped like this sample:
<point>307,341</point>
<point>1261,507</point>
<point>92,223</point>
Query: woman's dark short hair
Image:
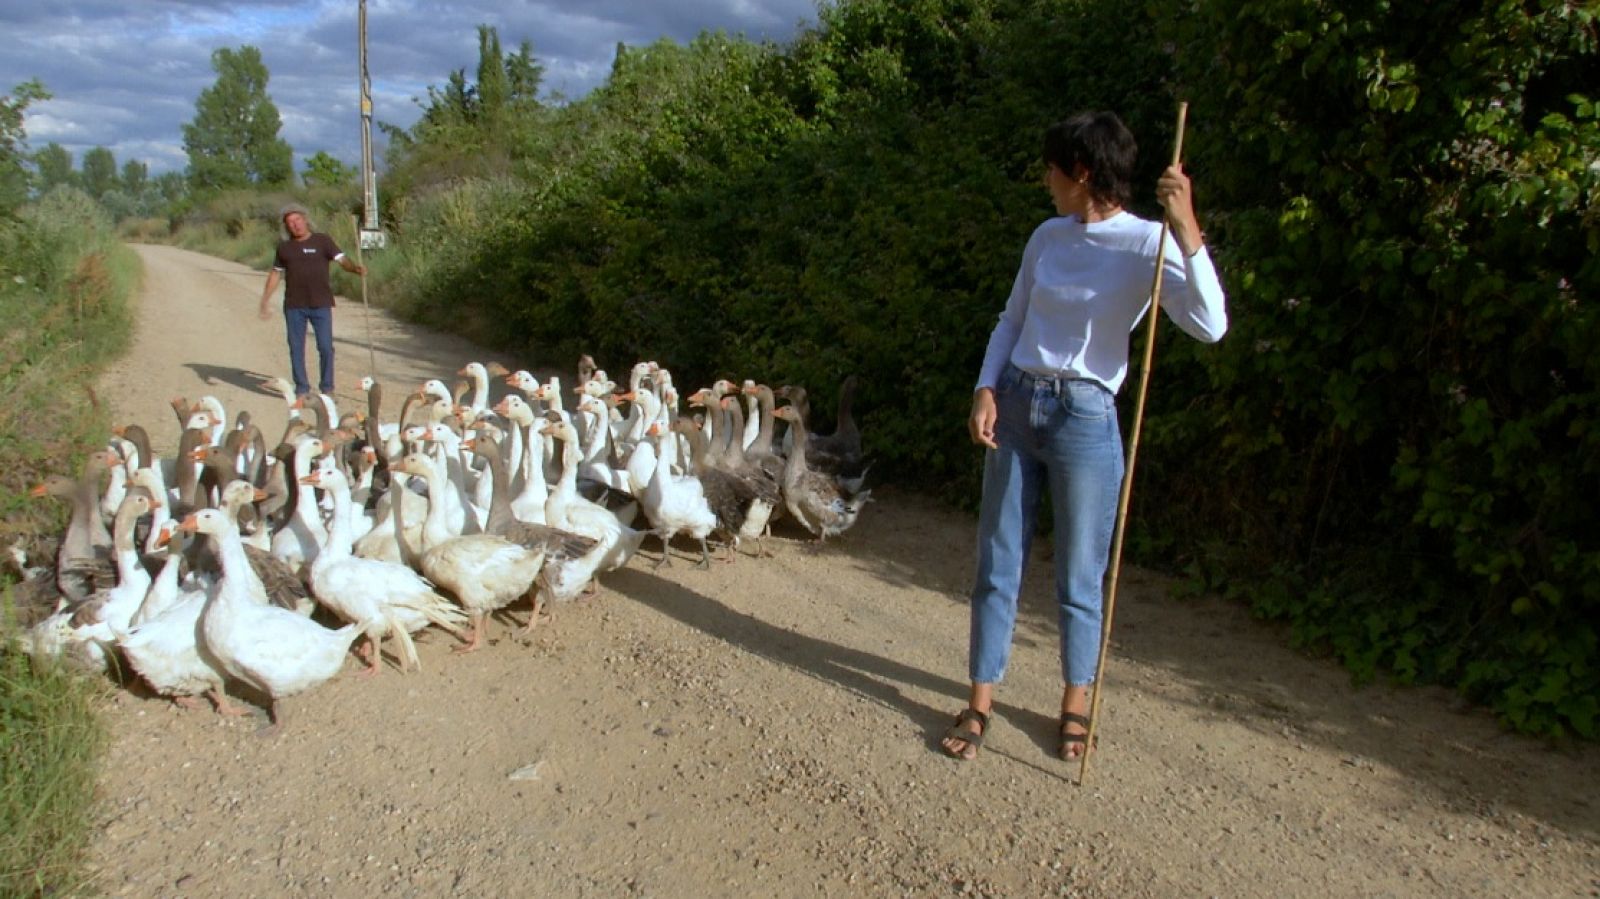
<point>1099,142</point>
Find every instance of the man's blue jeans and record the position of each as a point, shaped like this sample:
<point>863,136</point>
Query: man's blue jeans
<point>1061,434</point>
<point>321,321</point>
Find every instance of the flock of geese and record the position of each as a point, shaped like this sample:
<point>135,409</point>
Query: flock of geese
<point>453,511</point>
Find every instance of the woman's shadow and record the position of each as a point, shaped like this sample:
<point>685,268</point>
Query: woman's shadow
<point>870,676</point>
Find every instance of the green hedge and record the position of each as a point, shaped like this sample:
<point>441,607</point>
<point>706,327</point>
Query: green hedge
<point>1407,407</point>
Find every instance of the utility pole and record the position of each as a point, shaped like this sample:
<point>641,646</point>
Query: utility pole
<point>372,236</point>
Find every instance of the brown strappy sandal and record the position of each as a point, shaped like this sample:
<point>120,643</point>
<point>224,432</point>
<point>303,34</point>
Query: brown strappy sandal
<point>1068,741</point>
<point>967,738</point>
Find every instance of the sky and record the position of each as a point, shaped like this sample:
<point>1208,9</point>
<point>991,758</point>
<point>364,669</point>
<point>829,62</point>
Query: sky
<point>124,74</point>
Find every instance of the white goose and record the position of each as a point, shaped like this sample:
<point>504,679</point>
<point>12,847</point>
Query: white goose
<point>382,597</point>
<point>567,510</point>
<point>162,643</point>
<point>486,573</point>
<point>528,506</point>
<point>271,649</point>
<point>298,542</point>
<point>675,503</point>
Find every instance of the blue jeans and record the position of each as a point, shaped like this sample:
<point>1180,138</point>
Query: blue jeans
<point>1060,433</point>
<point>321,321</point>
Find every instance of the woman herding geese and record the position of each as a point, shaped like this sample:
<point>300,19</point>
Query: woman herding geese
<point>1045,401</point>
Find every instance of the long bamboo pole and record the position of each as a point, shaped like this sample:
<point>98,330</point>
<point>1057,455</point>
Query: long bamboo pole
<point>1127,476</point>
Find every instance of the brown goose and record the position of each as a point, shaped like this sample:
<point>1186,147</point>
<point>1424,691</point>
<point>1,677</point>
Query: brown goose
<point>83,562</point>
<point>839,453</point>
<point>816,500</point>
<point>767,481</point>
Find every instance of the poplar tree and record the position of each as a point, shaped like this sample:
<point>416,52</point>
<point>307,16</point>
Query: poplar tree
<point>99,172</point>
<point>233,140</point>
<point>493,85</point>
<point>54,166</point>
<point>135,176</point>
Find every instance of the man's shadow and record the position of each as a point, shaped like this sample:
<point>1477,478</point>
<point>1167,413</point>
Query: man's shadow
<point>248,381</point>
<point>862,673</point>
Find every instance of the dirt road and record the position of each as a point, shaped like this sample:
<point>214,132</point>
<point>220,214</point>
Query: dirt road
<point>770,728</point>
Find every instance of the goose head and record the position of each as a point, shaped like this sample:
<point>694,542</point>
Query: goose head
<point>205,521</point>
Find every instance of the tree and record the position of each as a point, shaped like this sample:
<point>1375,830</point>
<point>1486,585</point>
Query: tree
<point>233,140</point>
<point>13,142</point>
<point>99,173</point>
<point>326,171</point>
<point>524,75</point>
<point>54,166</point>
<point>493,85</point>
<point>172,190</point>
<point>135,177</point>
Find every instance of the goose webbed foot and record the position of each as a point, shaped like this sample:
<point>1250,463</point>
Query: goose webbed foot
<point>705,557</point>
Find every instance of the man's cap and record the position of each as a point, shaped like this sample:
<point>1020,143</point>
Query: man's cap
<point>293,207</point>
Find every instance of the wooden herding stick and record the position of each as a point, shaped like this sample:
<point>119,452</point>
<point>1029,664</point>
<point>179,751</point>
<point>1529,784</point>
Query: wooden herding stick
<point>1127,477</point>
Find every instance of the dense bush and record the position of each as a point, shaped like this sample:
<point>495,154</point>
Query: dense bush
<point>1408,406</point>
<point>1393,450</point>
<point>64,286</point>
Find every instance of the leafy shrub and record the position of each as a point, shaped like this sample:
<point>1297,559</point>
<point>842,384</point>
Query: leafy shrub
<point>1407,407</point>
<point>64,286</point>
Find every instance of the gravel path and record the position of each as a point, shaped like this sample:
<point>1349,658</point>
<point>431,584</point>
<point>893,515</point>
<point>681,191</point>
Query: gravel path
<point>770,727</point>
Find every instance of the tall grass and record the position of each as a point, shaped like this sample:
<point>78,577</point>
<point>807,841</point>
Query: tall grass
<point>64,288</point>
<point>50,745</point>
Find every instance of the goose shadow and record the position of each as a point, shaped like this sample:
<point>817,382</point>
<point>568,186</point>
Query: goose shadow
<point>872,677</point>
<point>249,381</point>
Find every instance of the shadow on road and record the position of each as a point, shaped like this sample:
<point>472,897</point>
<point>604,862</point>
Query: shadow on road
<point>869,676</point>
<point>1210,657</point>
<point>248,381</point>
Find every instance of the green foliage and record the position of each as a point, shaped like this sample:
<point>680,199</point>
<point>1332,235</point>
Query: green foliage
<point>233,140</point>
<point>99,174</point>
<point>64,288</point>
<point>323,170</point>
<point>13,143</point>
<point>469,129</point>
<point>50,746</point>
<point>64,284</point>
<point>135,177</point>
<point>1395,448</point>
<point>493,84</point>
<point>53,166</point>
<point>1410,386</point>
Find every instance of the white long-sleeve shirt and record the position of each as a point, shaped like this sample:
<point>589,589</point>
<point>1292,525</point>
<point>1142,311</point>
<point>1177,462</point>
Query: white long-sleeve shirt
<point>1082,288</point>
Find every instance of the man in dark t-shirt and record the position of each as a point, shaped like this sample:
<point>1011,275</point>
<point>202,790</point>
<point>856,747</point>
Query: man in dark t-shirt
<point>302,263</point>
